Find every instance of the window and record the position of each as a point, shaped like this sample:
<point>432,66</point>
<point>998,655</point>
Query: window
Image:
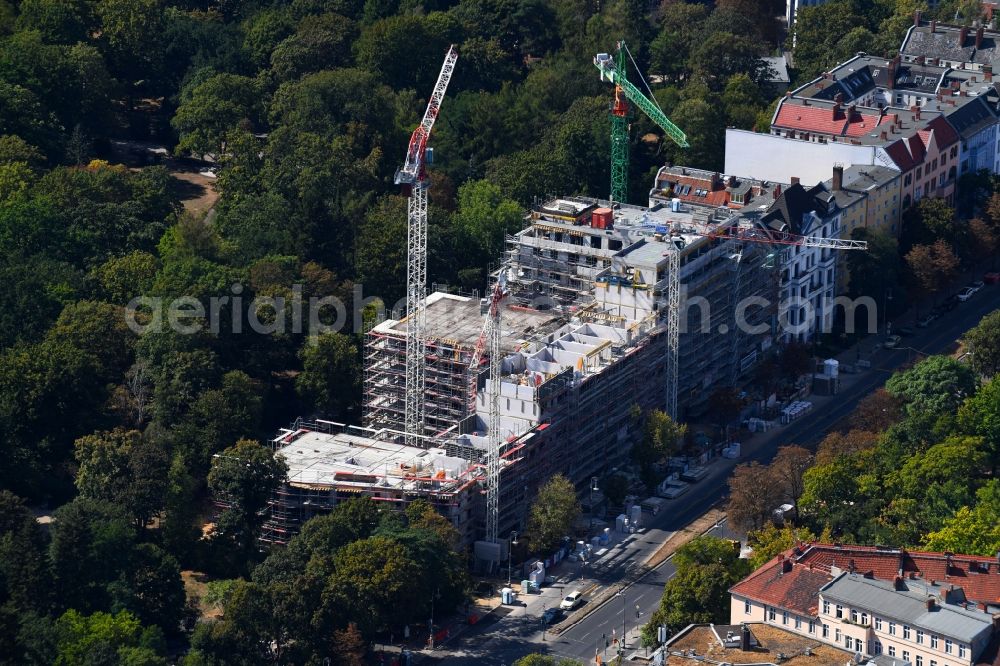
<point>892,650</point>
<point>906,655</point>
<point>812,626</point>
<point>826,631</point>
<point>798,622</point>
<point>892,628</point>
<point>961,651</point>
<point>840,611</point>
<point>947,645</point>
<point>933,663</point>
<point>854,616</point>
<point>920,636</point>
<point>849,643</point>
<point>920,660</point>
<point>864,619</point>
<point>878,624</point>
<point>747,607</point>
<point>836,634</point>
<point>784,617</point>
<point>934,641</point>
<point>877,648</point>
<point>859,645</point>
<point>770,614</point>
<point>906,632</point>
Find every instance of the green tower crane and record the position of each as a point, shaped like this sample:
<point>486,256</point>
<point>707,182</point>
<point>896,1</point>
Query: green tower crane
<point>613,69</point>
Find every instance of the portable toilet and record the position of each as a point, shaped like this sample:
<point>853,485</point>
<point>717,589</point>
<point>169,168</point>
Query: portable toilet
<point>507,596</point>
<point>635,515</point>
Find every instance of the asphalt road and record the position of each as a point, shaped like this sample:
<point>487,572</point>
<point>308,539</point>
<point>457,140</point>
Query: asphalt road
<point>504,640</point>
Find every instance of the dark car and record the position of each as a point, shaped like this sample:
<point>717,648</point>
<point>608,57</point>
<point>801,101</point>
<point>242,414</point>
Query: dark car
<point>904,331</point>
<point>549,615</point>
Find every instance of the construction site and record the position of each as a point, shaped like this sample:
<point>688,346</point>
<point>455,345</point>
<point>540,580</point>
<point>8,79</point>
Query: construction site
<point>600,311</point>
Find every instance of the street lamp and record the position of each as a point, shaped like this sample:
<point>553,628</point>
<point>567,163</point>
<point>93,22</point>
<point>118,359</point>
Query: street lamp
<point>886,297</point>
<point>593,488</point>
<point>510,550</point>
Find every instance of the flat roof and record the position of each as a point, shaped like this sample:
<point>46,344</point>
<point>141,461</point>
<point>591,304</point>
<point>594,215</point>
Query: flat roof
<point>707,641</point>
<point>458,321</point>
<point>341,459</point>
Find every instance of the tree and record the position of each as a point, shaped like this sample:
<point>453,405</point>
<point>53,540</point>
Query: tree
<point>330,375</point>
<point>699,592</point>
<point>752,496</point>
<point>320,42</point>
<point>932,266</point>
<point>243,477</point>
<point>103,460</point>
<point>91,545</point>
<point>787,469</point>
<point>980,415</point>
<point>983,342</point>
<point>351,647</point>
<point>876,271</point>
<point>615,488</point>
<point>795,360</point>
<point>661,437</point>
<point>936,385</point>
<point>211,109</point>
<point>771,540</point>
<point>553,513</point>
<point>877,411</point>
<point>942,479</point>
<point>24,574</point>
<point>838,444</point>
<point>102,638</point>
<point>545,660</point>
<point>983,240</point>
<point>972,530</point>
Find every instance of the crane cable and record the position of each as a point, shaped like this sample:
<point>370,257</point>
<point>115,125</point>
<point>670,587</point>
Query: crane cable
<point>642,76</point>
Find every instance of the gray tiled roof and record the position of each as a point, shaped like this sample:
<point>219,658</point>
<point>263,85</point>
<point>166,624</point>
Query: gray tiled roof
<point>908,606</point>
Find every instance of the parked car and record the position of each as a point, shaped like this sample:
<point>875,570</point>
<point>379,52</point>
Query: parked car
<point>991,278</point>
<point>572,600</point>
<point>966,294</point>
<point>926,320</point>
<point>892,341</point>
<point>549,615</point>
<point>977,285</point>
<point>905,331</point>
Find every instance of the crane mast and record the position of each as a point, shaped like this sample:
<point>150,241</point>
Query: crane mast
<point>489,338</point>
<point>413,177</point>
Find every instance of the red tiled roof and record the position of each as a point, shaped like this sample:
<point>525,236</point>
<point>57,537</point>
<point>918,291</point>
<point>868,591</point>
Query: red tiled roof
<point>899,154</point>
<point>810,119</point>
<point>809,567</point>
<point>796,590</point>
<point>862,123</point>
<point>719,197</point>
<point>980,584</point>
<point>944,133</point>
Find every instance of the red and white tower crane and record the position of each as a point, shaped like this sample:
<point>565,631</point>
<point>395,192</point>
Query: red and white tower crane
<point>413,177</point>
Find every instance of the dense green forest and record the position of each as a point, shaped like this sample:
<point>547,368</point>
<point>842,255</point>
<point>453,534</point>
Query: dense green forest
<point>307,106</point>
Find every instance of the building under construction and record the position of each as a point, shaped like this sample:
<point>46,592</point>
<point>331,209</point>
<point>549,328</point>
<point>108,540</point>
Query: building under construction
<point>583,339</point>
<point>330,462</point>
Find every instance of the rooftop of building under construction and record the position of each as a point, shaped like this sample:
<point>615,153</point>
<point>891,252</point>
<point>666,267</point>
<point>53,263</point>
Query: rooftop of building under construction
<point>344,460</point>
<point>458,320</point>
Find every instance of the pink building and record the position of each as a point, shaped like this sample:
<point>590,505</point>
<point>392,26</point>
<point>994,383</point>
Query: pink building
<point>920,609</point>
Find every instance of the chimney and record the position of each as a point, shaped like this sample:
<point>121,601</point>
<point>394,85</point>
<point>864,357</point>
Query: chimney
<point>921,59</point>
<point>933,25</point>
<point>931,602</point>
<point>777,191</point>
<point>979,37</point>
<point>916,115</point>
<point>744,637</point>
<point>838,184</point>
<point>795,180</point>
<point>883,136</point>
<point>850,563</point>
<point>916,18</point>
<point>987,72</point>
<point>898,584</point>
<point>963,34</point>
<point>891,72</point>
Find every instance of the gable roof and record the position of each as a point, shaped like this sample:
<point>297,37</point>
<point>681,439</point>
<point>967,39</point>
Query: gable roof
<point>781,583</point>
<point>783,580</point>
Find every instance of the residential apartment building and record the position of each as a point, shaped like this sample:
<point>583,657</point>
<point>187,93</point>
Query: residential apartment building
<point>922,609</point>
